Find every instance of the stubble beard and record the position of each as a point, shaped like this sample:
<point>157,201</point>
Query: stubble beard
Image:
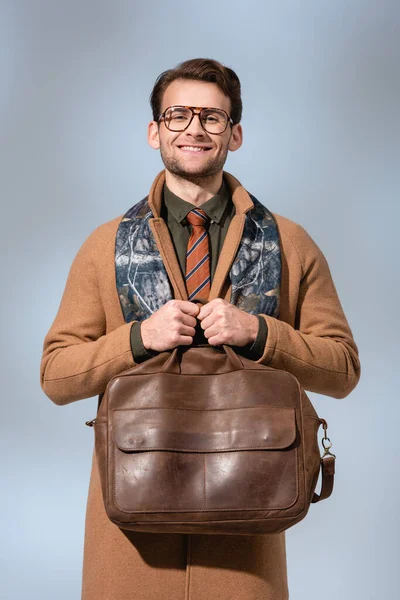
<point>176,166</point>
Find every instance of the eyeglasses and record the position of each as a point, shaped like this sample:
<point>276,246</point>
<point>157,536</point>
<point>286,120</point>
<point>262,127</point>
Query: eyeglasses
<point>212,120</point>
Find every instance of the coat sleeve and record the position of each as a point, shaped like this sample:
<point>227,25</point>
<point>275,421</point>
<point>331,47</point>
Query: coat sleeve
<point>79,358</point>
<point>319,350</point>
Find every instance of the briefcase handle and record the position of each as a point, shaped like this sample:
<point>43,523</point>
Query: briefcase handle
<point>173,363</point>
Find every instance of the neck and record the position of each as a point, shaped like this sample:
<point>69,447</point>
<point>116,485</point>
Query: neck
<point>195,190</point>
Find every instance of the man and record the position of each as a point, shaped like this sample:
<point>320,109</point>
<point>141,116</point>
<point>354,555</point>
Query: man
<point>131,293</point>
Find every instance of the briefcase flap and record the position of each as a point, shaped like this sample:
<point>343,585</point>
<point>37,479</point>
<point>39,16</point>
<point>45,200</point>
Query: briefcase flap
<point>197,430</point>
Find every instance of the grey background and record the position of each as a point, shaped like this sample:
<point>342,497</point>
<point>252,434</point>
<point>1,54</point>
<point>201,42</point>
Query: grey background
<point>321,146</point>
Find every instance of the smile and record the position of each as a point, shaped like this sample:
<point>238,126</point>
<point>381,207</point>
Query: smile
<point>193,149</point>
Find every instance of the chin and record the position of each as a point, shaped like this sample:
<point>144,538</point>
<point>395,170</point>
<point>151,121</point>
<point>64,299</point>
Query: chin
<point>191,170</point>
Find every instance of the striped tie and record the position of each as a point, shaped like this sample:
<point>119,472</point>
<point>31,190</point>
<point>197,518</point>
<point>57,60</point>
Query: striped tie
<point>198,256</point>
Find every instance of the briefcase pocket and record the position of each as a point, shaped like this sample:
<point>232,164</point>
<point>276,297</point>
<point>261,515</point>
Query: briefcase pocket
<point>185,459</point>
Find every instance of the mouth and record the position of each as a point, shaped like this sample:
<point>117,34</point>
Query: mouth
<point>194,149</point>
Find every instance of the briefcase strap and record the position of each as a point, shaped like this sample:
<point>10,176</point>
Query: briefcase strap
<point>327,467</point>
<point>328,472</point>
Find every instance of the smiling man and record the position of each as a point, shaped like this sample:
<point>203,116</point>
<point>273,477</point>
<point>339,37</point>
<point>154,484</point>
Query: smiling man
<point>194,130</point>
<point>131,293</point>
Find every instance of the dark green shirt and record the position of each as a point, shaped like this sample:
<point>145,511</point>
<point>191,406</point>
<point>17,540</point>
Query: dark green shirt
<point>220,209</point>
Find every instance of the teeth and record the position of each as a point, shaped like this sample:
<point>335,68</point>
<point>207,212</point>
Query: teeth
<point>193,148</point>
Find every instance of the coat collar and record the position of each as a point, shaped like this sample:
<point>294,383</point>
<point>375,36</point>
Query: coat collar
<point>243,203</point>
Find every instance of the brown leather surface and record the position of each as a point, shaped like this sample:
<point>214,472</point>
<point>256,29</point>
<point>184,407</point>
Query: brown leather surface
<point>199,440</point>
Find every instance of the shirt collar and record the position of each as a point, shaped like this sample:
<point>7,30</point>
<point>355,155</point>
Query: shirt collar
<point>214,207</point>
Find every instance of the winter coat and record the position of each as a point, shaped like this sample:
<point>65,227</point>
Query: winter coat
<point>89,342</point>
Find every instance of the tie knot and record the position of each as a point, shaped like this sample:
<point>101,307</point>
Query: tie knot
<point>197,217</point>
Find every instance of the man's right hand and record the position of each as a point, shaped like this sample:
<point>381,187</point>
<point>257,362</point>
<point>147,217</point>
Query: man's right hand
<point>170,326</point>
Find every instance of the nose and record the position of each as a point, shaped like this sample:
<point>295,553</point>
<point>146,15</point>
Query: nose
<point>195,127</point>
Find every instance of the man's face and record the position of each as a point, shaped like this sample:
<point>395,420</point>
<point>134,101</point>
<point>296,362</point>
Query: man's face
<point>176,148</point>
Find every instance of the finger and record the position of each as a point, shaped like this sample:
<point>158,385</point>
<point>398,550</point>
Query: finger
<point>188,320</point>
<point>208,321</point>
<point>215,340</point>
<point>208,308</point>
<point>211,331</point>
<point>185,340</point>
<point>189,308</point>
<point>205,310</point>
<point>184,330</point>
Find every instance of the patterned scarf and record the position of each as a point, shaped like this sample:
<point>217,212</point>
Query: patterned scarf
<point>142,281</point>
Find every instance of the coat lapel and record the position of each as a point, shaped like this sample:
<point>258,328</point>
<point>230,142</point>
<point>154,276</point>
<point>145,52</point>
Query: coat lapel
<point>168,255</point>
<point>227,255</point>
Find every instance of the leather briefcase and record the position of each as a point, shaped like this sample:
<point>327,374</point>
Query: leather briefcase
<point>200,440</point>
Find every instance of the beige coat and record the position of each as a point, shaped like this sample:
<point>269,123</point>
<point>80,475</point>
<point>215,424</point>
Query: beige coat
<point>89,342</point>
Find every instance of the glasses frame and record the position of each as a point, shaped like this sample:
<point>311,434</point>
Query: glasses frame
<point>193,109</point>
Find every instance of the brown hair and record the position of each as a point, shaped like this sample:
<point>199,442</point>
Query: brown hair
<point>200,69</point>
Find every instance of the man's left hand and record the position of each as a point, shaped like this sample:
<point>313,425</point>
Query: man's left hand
<point>224,323</point>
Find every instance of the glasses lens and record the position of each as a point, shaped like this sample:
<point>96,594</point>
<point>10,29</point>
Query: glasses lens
<point>177,118</point>
<point>214,120</point>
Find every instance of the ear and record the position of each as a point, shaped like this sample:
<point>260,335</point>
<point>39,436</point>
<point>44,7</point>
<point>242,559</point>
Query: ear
<point>236,138</point>
<point>153,137</point>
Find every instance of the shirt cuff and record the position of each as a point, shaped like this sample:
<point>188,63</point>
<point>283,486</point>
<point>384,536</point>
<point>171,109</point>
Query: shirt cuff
<point>139,352</point>
<point>255,350</point>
